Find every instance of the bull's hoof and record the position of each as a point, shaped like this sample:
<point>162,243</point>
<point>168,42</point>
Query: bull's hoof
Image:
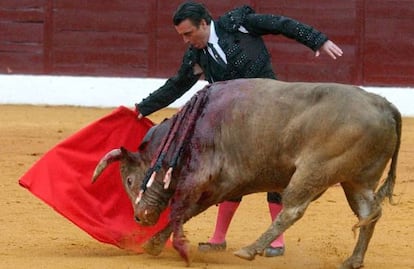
<point>183,248</point>
<point>245,253</point>
<point>352,264</point>
<point>152,248</point>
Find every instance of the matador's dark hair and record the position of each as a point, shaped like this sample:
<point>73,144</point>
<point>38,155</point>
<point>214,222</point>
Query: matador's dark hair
<point>193,11</point>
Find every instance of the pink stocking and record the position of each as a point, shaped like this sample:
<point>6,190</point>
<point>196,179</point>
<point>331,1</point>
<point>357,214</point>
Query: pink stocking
<point>225,214</point>
<point>274,211</point>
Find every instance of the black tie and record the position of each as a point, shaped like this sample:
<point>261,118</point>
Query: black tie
<point>217,57</point>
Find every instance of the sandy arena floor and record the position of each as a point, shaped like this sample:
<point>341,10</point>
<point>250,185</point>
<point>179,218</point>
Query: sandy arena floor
<point>33,235</point>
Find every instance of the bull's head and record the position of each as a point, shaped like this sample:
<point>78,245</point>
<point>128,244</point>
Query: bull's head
<point>133,170</point>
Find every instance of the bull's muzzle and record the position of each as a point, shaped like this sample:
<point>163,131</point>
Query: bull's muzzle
<point>147,216</point>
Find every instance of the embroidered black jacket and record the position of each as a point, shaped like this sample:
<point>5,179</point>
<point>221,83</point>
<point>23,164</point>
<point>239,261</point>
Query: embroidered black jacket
<point>246,53</point>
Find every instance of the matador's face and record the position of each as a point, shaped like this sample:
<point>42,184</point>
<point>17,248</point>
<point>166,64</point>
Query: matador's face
<point>197,36</point>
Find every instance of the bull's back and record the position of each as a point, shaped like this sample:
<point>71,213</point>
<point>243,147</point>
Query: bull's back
<point>266,126</point>
<point>272,104</point>
<point>290,99</point>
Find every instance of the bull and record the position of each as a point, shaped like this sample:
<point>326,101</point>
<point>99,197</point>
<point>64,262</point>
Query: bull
<point>259,135</point>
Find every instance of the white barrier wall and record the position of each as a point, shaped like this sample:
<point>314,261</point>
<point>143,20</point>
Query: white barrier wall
<point>114,92</point>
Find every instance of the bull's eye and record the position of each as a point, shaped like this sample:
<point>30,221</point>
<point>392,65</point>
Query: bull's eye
<point>129,181</point>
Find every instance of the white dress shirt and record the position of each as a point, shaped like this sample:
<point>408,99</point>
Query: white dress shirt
<point>213,39</point>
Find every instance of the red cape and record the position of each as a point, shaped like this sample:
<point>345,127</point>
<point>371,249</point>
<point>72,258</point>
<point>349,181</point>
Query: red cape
<point>62,179</point>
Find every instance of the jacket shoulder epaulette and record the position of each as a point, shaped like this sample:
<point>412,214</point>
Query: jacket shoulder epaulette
<point>232,20</point>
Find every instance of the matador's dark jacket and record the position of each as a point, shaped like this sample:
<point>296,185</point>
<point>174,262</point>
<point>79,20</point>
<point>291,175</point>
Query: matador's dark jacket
<point>246,54</point>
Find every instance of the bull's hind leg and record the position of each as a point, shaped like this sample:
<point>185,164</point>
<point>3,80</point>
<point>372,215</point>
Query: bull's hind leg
<point>296,199</point>
<point>363,203</point>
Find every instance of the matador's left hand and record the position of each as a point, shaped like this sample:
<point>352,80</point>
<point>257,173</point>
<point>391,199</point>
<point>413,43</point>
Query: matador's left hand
<point>331,49</point>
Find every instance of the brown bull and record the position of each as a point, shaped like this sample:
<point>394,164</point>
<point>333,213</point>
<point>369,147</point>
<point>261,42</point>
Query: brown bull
<point>261,135</point>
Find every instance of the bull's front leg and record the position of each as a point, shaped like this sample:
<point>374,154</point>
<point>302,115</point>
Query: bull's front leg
<point>180,242</point>
<point>179,215</point>
<point>156,243</point>
<point>181,211</point>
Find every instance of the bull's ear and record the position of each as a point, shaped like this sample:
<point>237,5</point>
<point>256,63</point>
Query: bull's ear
<point>147,138</point>
<point>141,146</point>
<point>127,155</point>
<point>124,152</point>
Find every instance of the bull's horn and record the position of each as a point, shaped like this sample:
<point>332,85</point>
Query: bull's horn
<point>110,157</point>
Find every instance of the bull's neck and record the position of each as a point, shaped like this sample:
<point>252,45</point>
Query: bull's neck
<point>180,131</point>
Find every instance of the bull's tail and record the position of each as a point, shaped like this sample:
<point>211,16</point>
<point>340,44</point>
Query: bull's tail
<point>387,188</point>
